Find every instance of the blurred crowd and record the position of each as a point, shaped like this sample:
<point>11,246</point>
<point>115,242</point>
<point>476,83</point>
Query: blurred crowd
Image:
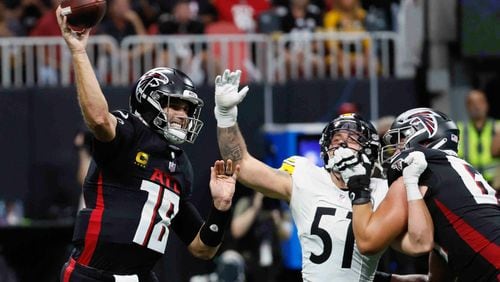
<point>296,18</point>
<point>130,17</point>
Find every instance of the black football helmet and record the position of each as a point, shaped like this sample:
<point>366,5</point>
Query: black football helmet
<point>420,127</point>
<point>365,133</point>
<point>157,89</point>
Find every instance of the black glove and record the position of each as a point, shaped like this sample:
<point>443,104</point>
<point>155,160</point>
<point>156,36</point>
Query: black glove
<point>359,187</point>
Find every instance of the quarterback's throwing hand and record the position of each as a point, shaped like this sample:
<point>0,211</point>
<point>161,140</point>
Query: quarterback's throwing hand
<point>222,183</point>
<point>227,97</point>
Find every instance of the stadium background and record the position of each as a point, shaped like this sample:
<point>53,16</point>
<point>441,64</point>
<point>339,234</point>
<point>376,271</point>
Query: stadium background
<point>460,50</point>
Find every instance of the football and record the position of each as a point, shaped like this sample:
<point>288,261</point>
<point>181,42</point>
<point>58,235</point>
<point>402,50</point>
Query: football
<point>83,13</point>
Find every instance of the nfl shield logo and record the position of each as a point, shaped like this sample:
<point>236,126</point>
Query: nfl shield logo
<point>171,166</point>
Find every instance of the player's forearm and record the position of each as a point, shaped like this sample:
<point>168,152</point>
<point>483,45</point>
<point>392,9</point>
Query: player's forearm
<point>91,99</point>
<point>232,146</point>
<point>371,233</point>
<point>231,143</point>
<point>360,226</point>
<point>253,173</point>
<point>420,227</point>
<point>199,250</point>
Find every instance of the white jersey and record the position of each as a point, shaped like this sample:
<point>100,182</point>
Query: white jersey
<point>322,213</point>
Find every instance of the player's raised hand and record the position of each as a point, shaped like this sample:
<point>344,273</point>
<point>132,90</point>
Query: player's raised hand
<point>227,97</point>
<point>222,183</point>
<point>76,40</point>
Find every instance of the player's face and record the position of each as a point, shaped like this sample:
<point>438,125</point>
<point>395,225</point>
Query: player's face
<point>177,112</point>
<point>346,139</point>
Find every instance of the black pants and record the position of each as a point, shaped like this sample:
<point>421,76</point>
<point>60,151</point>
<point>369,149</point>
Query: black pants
<point>75,272</point>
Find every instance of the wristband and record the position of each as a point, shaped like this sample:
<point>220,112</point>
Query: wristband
<point>226,118</point>
<point>212,231</point>
<point>359,189</point>
<point>413,193</point>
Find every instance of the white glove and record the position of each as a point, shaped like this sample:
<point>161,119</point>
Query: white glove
<point>227,98</point>
<point>348,163</point>
<point>416,165</point>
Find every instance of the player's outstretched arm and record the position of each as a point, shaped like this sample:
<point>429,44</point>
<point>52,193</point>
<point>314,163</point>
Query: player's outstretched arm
<point>90,97</point>
<point>420,237</point>
<point>376,230</point>
<point>373,230</point>
<point>222,184</point>
<point>254,173</point>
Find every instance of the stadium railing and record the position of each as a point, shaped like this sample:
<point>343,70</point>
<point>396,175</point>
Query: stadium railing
<point>268,58</point>
<point>46,61</point>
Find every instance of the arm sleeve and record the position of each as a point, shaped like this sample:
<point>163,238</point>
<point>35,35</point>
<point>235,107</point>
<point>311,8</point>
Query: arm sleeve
<point>187,222</point>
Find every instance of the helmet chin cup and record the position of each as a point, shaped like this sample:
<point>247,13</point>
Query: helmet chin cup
<point>175,135</point>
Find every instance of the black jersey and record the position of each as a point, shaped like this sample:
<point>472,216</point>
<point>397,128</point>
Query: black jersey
<point>135,187</point>
<point>465,211</point>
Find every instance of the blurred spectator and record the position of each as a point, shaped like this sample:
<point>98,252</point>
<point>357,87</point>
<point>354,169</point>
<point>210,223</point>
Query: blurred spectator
<point>379,14</point>
<point>480,136</point>
<point>300,19</point>
<point>300,16</point>
<point>230,267</point>
<point>31,11</point>
<point>148,11</point>
<point>181,21</point>
<point>47,26</point>
<point>242,13</point>
<point>319,4</point>
<point>347,16</point>
<point>9,23</point>
<point>257,227</point>
<point>291,251</point>
<point>207,12</point>
<point>191,59</point>
<point>121,20</point>
<point>347,107</point>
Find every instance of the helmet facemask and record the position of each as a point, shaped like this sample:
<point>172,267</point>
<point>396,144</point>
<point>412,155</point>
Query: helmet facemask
<point>397,141</point>
<point>186,129</point>
<point>358,131</point>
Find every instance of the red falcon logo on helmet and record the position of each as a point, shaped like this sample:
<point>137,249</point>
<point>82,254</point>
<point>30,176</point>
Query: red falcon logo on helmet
<point>428,120</point>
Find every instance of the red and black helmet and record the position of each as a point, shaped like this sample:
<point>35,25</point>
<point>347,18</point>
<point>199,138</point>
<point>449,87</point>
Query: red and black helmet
<point>420,127</point>
<point>154,91</point>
